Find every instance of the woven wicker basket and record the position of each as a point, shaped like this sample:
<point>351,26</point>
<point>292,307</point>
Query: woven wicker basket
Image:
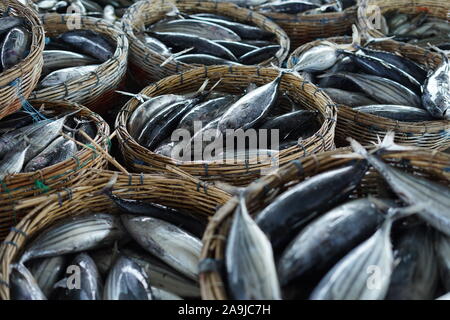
<point>180,192</point>
<point>97,89</point>
<point>366,127</point>
<point>433,164</point>
<point>17,82</point>
<point>305,28</point>
<point>233,80</point>
<point>145,63</point>
<point>435,8</point>
<point>61,175</point>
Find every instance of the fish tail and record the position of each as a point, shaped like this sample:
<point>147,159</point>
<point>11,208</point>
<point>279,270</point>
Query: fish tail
<point>107,189</point>
<point>388,143</point>
<point>403,212</point>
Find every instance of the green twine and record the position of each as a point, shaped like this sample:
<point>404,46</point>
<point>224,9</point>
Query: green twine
<point>41,186</point>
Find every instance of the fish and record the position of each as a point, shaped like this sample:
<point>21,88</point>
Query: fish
<point>245,31</point>
<point>196,27</point>
<point>147,110</point>
<point>413,190</point>
<point>39,140</point>
<point>249,260</point>
<point>364,273</point>
<point>327,239</point>
<point>206,112</point>
<point>282,219</point>
<point>13,163</point>
<point>171,244</point>
<point>288,7</point>
<point>23,286</point>
<point>127,281</point>
<point>348,98</point>
<point>318,58</point>
<point>259,55</point>
<point>290,125</point>
<point>416,276</point>
<point>156,45</point>
<point>61,76</point>
<point>162,276</point>
<point>180,41</point>
<point>237,48</point>
<point>47,272</point>
<point>15,47</point>
<point>88,42</point>
<point>436,90</point>
<point>15,121</point>
<point>75,235</point>
<point>442,245</point>
<point>251,109</point>
<point>59,150</point>
<point>205,59</point>
<point>183,220</point>
<point>104,258</point>
<point>395,112</point>
<point>444,297</point>
<point>384,91</point>
<point>90,283</point>
<point>60,59</point>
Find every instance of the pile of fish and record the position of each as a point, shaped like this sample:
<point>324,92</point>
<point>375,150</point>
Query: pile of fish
<point>211,115</point>
<point>378,82</point>
<point>148,252</point>
<point>318,241</point>
<point>110,10</point>
<point>209,39</point>
<point>31,142</point>
<point>419,29</point>
<point>306,7</point>
<point>15,41</point>
<point>73,54</point>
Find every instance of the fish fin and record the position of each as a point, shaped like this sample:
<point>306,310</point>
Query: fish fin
<point>358,148</point>
<point>443,53</point>
<point>388,143</point>
<point>138,96</point>
<point>403,212</point>
<point>174,12</point>
<point>370,39</point>
<point>175,55</point>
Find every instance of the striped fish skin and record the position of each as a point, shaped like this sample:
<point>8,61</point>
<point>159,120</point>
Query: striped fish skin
<point>161,275</point>
<point>348,98</point>
<point>416,276</point>
<point>22,284</point>
<point>364,273</point>
<point>443,253</point>
<point>249,260</point>
<point>319,246</point>
<point>75,235</point>
<point>395,112</point>
<point>48,271</point>
<point>13,163</point>
<point>176,247</point>
<point>415,190</point>
<point>284,218</point>
<point>59,150</point>
<point>127,281</point>
<point>60,59</point>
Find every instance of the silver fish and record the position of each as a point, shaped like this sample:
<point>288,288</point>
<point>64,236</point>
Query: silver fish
<point>59,150</point>
<point>48,271</point>
<point>64,75</point>
<point>15,47</point>
<point>75,235</point>
<point>318,58</point>
<point>13,163</point>
<point>161,275</point>
<point>60,59</point>
<point>394,112</point>
<point>348,98</point>
<point>249,260</point>
<point>436,90</point>
<point>364,273</point>
<point>23,286</point>
<point>171,244</point>
<point>127,281</point>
